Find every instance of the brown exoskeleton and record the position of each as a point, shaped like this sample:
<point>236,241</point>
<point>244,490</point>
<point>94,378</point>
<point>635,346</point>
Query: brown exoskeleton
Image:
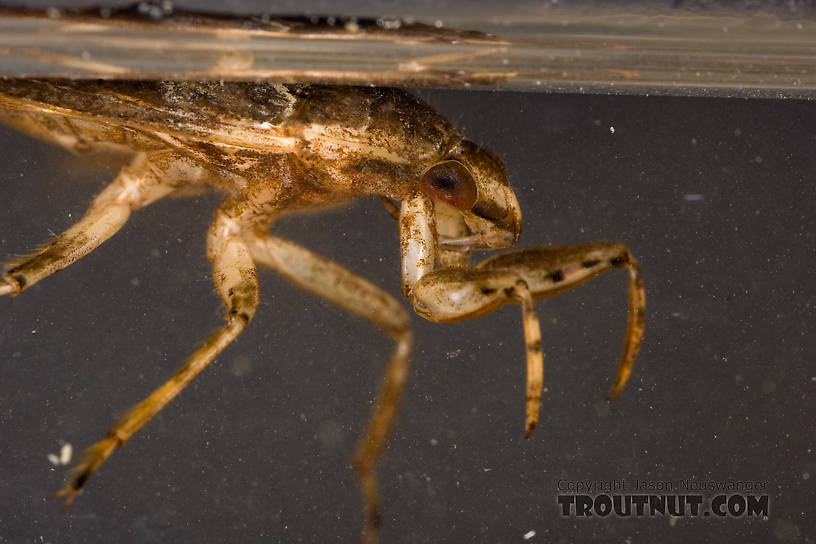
<point>275,149</point>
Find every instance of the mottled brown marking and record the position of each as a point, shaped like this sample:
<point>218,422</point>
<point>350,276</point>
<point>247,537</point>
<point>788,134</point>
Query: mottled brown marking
<point>275,149</point>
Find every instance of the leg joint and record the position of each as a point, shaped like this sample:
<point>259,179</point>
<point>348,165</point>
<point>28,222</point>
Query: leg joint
<point>244,316</point>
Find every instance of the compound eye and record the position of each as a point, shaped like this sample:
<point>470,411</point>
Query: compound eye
<point>451,182</point>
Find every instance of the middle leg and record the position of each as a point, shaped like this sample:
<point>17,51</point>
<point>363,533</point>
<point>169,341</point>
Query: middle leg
<point>236,281</point>
<point>333,282</point>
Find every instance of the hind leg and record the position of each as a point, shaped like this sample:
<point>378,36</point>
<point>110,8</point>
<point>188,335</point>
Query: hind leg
<point>138,184</point>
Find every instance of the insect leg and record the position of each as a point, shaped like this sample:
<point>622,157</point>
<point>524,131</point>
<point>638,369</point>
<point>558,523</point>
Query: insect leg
<point>453,294</point>
<point>236,281</point>
<point>136,185</point>
<point>535,355</point>
<point>333,282</point>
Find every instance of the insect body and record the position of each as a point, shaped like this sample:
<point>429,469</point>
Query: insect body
<point>274,149</point>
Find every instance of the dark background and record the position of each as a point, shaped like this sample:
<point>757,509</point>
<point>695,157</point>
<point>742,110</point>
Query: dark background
<point>258,448</point>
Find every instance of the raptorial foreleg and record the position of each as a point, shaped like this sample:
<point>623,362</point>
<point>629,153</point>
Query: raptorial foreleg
<point>454,294</point>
